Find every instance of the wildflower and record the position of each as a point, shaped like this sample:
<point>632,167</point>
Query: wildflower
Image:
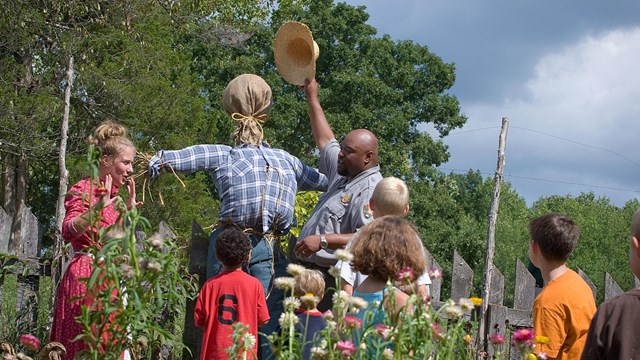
<point>452,311</point>
<point>383,331</point>
<point>334,271</point>
<point>29,341</point>
<point>358,302</point>
<point>332,325</point>
<point>291,302</point>
<point>142,342</point>
<point>476,301</point>
<point>466,304</point>
<point>541,339</point>
<point>435,273</point>
<point>156,241</point>
<point>310,300</point>
<point>128,271</point>
<point>542,356</point>
<point>437,334</point>
<point>405,275</point>
<point>327,315</point>
<point>339,298</point>
<point>318,352</point>
<point>531,356</point>
<point>343,255</point>
<point>249,340</point>
<point>295,269</point>
<point>154,266</point>
<point>284,283</point>
<point>496,339</point>
<point>387,353</point>
<point>522,336</point>
<point>287,319</point>
<point>467,339</point>
<point>100,191</point>
<point>352,322</point>
<point>346,348</point>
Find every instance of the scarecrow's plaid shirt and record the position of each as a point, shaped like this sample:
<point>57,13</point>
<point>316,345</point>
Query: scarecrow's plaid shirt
<point>257,185</point>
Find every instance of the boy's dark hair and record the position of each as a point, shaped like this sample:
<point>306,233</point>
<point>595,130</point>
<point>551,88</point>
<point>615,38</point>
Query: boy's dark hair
<point>232,246</point>
<point>555,234</point>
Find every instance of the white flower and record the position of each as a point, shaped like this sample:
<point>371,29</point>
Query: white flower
<point>452,311</point>
<point>358,302</point>
<point>318,352</point>
<point>284,283</point>
<point>249,340</point>
<point>310,300</point>
<point>295,269</point>
<point>156,241</point>
<point>340,298</point>
<point>334,271</point>
<point>291,302</point>
<point>343,255</point>
<point>363,346</point>
<point>387,353</point>
<point>331,325</point>
<point>287,320</point>
<point>466,304</point>
<point>154,266</point>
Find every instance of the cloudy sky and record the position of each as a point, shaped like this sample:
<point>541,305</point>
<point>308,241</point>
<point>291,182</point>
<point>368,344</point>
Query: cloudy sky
<point>566,74</point>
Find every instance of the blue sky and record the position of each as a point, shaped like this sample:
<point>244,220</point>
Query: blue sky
<point>564,72</point>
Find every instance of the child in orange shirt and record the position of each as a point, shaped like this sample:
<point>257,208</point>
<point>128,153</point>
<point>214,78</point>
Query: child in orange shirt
<point>564,308</point>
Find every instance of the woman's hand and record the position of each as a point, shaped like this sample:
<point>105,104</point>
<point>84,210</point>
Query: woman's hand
<point>131,186</point>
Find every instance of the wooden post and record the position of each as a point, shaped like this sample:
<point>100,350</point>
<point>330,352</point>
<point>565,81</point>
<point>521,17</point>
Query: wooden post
<point>461,278</point>
<point>493,216</point>
<point>57,262</point>
<point>198,251</point>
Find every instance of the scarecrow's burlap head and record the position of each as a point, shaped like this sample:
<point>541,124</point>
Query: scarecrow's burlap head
<point>247,98</point>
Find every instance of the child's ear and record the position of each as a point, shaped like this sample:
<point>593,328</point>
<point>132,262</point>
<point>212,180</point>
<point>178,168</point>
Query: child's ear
<point>372,206</point>
<point>405,211</point>
<point>635,246</point>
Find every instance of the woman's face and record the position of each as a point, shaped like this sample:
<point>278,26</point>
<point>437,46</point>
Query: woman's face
<point>119,167</point>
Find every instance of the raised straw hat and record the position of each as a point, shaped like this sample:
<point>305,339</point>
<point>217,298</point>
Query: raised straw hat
<point>295,52</point>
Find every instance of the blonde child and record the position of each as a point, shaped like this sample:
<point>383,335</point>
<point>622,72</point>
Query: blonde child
<point>309,289</point>
<point>390,197</point>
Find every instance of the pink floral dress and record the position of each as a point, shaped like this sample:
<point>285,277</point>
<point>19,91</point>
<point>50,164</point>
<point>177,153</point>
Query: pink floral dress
<point>65,327</point>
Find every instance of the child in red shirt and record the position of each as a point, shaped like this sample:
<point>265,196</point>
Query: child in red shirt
<point>229,297</point>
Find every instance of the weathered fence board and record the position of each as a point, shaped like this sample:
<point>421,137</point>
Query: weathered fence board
<point>611,288</point>
<point>461,278</point>
<point>524,291</point>
<point>192,336</point>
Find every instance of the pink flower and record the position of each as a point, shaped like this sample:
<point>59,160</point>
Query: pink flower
<point>436,331</point>
<point>383,331</point>
<point>347,348</point>
<point>525,335</point>
<point>352,322</point>
<point>30,342</point>
<point>327,315</point>
<point>435,273</point>
<point>405,275</point>
<point>496,339</point>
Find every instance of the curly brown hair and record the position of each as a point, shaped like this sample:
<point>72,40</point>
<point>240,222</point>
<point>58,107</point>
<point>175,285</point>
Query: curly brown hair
<point>387,245</point>
<point>232,246</point>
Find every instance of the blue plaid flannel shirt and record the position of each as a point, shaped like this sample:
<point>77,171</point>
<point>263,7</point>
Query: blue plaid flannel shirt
<point>257,185</point>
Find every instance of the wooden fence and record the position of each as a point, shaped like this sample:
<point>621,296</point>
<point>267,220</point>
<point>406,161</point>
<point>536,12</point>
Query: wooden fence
<point>498,316</point>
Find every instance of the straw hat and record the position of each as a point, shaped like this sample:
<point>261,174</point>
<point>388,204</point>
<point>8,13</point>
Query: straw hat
<point>295,52</point>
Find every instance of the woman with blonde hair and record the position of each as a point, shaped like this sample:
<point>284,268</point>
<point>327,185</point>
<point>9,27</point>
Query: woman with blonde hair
<point>89,207</point>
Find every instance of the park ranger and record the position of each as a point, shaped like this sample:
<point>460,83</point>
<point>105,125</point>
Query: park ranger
<point>353,172</point>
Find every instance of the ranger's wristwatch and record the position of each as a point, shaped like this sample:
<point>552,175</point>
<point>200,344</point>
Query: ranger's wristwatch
<point>323,242</point>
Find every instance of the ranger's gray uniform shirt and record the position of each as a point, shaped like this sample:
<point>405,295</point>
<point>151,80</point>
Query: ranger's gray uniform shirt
<point>344,207</point>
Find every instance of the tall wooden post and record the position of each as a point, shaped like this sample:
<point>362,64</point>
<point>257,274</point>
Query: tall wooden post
<point>491,232</point>
<point>57,264</point>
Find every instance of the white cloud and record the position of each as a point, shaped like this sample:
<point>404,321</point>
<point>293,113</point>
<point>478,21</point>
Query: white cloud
<point>586,92</point>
